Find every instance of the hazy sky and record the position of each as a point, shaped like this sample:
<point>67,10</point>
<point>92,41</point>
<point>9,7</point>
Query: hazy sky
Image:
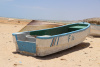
<point>50,9</point>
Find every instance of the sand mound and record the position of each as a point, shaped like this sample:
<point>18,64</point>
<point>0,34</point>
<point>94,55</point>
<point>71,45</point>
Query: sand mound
<point>93,20</point>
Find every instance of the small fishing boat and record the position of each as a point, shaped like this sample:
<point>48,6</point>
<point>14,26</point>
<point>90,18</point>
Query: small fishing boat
<point>95,30</point>
<point>47,41</point>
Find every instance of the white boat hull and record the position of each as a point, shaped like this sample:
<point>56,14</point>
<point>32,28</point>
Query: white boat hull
<point>95,30</point>
<point>65,42</point>
<point>44,46</point>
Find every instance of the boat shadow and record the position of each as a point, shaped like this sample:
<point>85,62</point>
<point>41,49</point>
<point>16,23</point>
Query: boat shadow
<point>78,47</point>
<point>96,36</point>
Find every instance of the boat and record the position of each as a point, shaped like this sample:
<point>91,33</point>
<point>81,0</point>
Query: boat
<point>48,41</point>
<point>38,25</point>
<point>95,30</point>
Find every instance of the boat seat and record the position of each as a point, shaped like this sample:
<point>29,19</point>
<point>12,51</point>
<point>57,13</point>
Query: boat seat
<point>73,28</point>
<point>31,38</point>
<point>77,27</point>
<point>58,30</point>
<point>45,36</point>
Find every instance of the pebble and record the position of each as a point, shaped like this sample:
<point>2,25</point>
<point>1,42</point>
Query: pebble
<point>85,53</point>
<point>62,59</point>
<point>91,41</point>
<point>79,65</point>
<point>90,47</point>
<point>15,26</point>
<point>15,64</point>
<point>9,41</point>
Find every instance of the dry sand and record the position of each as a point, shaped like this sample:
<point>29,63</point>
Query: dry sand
<point>86,54</point>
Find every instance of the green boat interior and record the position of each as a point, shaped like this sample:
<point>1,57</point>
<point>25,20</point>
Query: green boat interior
<point>59,30</point>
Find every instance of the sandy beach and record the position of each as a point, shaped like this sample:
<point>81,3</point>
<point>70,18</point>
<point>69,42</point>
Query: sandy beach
<point>86,54</point>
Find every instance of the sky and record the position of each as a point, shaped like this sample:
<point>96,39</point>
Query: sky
<point>50,9</point>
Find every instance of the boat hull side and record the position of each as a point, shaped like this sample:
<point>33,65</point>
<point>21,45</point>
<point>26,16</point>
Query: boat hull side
<point>53,45</point>
<point>95,30</point>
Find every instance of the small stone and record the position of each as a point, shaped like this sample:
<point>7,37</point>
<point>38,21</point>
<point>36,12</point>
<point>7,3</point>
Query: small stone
<point>91,41</point>
<point>15,64</point>
<point>85,53</point>
<point>62,59</point>
<point>79,65</point>
<point>9,41</point>
<point>18,21</point>
<point>15,26</point>
<point>90,47</point>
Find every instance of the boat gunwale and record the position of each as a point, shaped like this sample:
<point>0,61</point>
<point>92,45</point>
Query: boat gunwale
<point>64,34</point>
<point>58,35</point>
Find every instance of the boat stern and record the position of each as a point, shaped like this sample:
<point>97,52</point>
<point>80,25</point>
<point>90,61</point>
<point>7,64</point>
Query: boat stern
<point>24,43</point>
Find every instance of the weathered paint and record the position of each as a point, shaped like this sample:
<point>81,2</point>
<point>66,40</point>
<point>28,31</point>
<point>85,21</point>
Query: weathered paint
<point>55,40</point>
<point>27,46</point>
<point>58,41</point>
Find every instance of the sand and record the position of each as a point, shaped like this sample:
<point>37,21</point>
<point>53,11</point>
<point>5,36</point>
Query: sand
<point>86,54</point>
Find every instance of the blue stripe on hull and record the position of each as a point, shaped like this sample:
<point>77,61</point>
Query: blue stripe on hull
<point>58,41</point>
<point>27,46</point>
